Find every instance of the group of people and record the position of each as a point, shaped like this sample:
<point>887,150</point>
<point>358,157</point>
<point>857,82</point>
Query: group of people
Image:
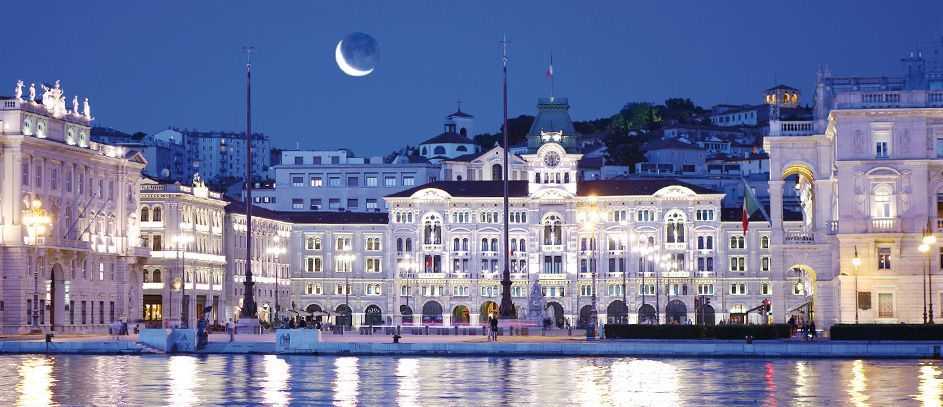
<point>492,328</point>
<point>807,329</point>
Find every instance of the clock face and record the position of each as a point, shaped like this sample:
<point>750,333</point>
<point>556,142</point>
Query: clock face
<point>552,159</point>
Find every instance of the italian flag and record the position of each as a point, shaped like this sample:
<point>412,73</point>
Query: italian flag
<point>750,206</point>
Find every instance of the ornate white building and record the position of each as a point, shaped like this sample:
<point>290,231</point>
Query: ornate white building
<point>69,246</point>
<point>183,227</point>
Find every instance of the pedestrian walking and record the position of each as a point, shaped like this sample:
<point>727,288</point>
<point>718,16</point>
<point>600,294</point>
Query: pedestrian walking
<point>230,329</point>
<point>494,329</point>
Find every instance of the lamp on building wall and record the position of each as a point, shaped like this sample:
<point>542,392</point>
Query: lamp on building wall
<point>36,221</point>
<point>856,263</point>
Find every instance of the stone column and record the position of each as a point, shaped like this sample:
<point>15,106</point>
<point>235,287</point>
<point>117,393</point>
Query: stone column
<point>776,208</point>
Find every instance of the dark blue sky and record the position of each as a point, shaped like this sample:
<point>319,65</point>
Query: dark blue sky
<point>150,65</point>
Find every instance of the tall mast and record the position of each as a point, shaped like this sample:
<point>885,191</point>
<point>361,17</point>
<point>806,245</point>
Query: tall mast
<point>507,306</point>
<point>248,302</point>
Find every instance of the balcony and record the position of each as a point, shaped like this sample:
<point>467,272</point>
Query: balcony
<point>799,237</point>
<point>791,128</point>
<point>884,225</point>
<point>432,247</point>
<point>152,286</point>
<point>877,99</point>
<point>489,253</point>
<point>614,274</point>
<point>459,275</point>
<point>553,248</point>
<point>491,275</point>
<point>429,275</point>
<point>552,276</point>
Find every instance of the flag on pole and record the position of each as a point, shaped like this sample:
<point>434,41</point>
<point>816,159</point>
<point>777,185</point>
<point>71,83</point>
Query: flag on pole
<point>550,68</point>
<point>750,206</point>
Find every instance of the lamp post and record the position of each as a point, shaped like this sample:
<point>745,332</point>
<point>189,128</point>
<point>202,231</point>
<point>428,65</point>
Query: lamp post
<point>929,239</point>
<point>856,263</point>
<point>589,219</point>
<point>408,266</point>
<point>347,259</point>
<point>275,251</point>
<point>182,240</point>
<point>36,220</point>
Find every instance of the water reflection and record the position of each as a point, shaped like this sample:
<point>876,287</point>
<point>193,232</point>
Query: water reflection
<point>476,382</point>
<point>407,373</point>
<point>346,381</point>
<point>930,384</point>
<point>275,381</point>
<point>182,371</point>
<point>36,382</point>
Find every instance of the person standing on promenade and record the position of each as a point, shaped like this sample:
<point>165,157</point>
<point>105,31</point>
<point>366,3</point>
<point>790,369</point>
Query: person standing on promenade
<point>494,328</point>
<point>230,329</point>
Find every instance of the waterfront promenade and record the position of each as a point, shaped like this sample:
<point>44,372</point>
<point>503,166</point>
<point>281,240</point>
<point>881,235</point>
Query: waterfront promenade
<point>353,344</point>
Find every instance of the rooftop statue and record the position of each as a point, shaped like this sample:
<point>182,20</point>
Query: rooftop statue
<point>32,92</point>
<point>19,91</point>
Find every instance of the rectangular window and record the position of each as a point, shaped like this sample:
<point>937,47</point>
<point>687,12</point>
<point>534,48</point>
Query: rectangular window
<point>884,258</point>
<point>342,243</point>
<point>343,265</point>
<point>373,265</point>
<point>297,180</point>
<point>864,300</point>
<point>334,181</point>
<point>371,203</point>
<point>409,180</point>
<point>297,203</point>
<point>25,171</point>
<point>738,263</point>
<point>299,160</point>
<point>885,305</point>
<point>372,181</point>
<point>765,289</point>
<point>315,204</point>
<point>313,264</point>
<point>316,181</point>
<point>353,181</point>
<point>389,181</point>
<point>352,203</point>
<point>334,203</point>
<point>764,263</point>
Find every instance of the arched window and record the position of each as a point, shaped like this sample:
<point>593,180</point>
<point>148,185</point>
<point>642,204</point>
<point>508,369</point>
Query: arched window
<point>409,245</point>
<point>523,245</point>
<point>674,227</point>
<point>494,245</point>
<point>484,244</point>
<point>145,214</point>
<point>432,230</point>
<point>461,148</point>
<point>157,243</point>
<point>147,275</point>
<point>439,150</point>
<point>456,244</point>
<point>553,230</point>
<point>156,276</point>
<point>764,242</point>
<point>497,174</point>
<point>399,245</point>
<point>465,244</point>
<point>156,217</point>
<point>882,202</point>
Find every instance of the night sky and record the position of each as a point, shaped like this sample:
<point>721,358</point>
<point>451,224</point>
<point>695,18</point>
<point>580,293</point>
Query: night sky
<point>147,65</point>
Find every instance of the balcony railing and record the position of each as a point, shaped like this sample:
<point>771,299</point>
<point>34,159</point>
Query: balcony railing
<point>884,225</point>
<point>908,98</point>
<point>833,227</point>
<point>791,128</point>
<point>799,237</point>
<point>552,276</point>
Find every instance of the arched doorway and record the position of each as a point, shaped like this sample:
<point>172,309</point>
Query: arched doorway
<point>799,193</point>
<point>586,317</point>
<point>676,312</point>
<point>497,174</point>
<point>803,279</point>
<point>705,316</point>
<point>432,313</point>
<point>57,306</point>
<point>646,314</point>
<point>406,313</point>
<point>313,309</point>
<point>555,312</point>
<point>617,313</point>
<point>373,315</point>
<point>460,315</point>
<point>343,317</point>
<point>488,309</point>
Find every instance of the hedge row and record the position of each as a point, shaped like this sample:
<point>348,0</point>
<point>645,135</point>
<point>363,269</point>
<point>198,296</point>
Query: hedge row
<point>631,331</point>
<point>886,332</point>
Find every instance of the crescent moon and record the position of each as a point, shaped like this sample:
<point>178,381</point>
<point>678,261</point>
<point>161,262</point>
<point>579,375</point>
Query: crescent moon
<point>344,66</point>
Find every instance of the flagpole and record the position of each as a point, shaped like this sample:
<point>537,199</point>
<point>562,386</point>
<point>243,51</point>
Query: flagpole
<point>506,309</point>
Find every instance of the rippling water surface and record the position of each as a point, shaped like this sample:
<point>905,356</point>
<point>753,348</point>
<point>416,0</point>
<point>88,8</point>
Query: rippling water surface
<point>468,381</point>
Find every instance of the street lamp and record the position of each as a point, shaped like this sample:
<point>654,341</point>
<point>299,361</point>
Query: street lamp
<point>36,220</point>
<point>856,263</point>
<point>275,252</point>
<point>182,241</point>
<point>589,219</point>
<point>347,259</point>
<point>929,239</point>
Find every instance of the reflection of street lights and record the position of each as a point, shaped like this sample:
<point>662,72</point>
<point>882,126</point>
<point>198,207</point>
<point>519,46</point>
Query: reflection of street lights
<point>36,220</point>
<point>856,263</point>
<point>276,251</point>
<point>182,241</point>
<point>929,239</point>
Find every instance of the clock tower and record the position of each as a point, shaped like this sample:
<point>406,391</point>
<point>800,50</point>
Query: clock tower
<point>551,171</point>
